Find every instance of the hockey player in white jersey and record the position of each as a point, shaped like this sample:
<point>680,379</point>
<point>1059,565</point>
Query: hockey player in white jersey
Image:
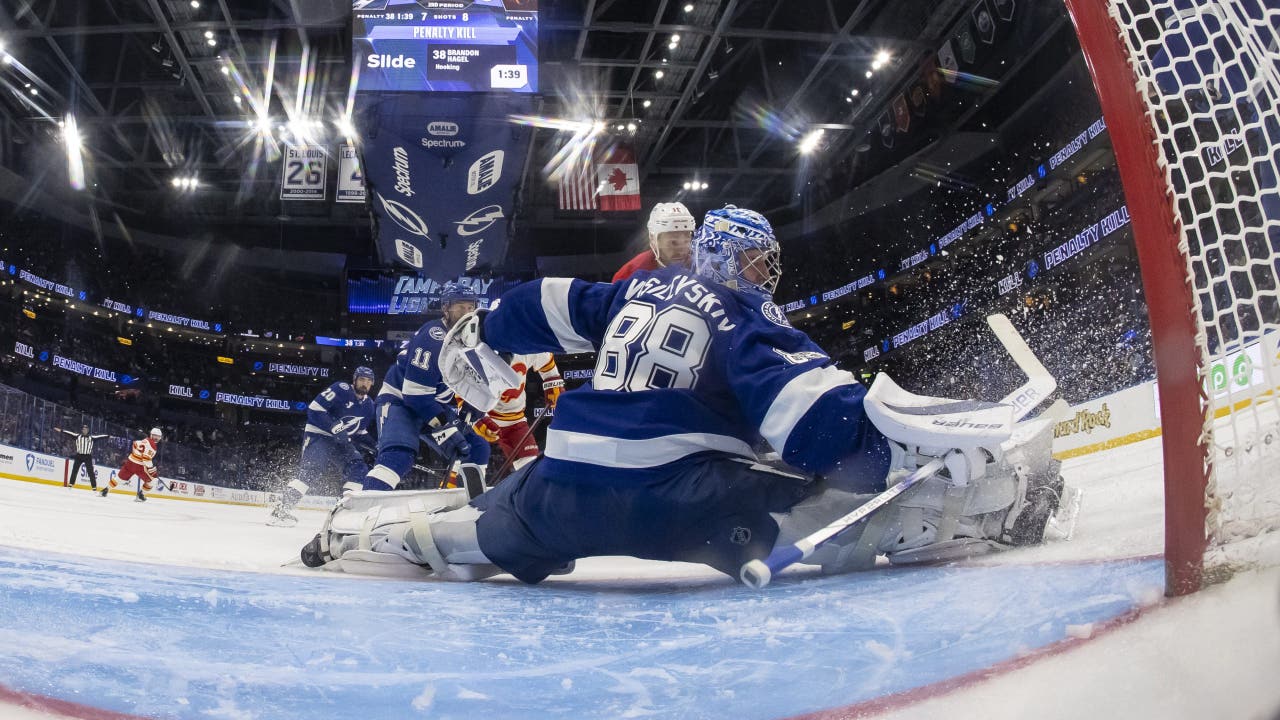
<point>506,423</point>
<point>654,458</point>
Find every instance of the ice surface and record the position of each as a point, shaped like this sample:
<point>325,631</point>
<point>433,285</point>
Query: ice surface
<point>184,609</point>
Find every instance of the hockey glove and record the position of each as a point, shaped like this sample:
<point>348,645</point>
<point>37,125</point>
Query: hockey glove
<point>487,429</point>
<point>551,390</point>
<point>470,368</point>
<point>449,438</point>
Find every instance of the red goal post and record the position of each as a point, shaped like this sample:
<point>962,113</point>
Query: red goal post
<point>1174,102</point>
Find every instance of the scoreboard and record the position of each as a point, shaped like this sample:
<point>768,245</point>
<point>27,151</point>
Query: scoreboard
<point>446,46</point>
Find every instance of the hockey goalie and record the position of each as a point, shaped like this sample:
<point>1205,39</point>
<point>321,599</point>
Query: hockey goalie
<point>653,459</point>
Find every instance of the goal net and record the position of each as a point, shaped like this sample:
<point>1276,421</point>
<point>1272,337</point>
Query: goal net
<point>1191,93</point>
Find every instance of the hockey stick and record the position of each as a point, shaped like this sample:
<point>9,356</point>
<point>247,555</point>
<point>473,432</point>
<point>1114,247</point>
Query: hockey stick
<point>757,573</point>
<point>1040,384</point>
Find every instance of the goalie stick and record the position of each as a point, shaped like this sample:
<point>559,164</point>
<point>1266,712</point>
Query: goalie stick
<point>1040,384</point>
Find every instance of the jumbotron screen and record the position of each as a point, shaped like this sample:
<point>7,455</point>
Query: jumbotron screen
<point>441,46</point>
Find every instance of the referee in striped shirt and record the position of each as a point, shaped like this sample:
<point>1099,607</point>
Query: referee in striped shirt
<point>84,455</point>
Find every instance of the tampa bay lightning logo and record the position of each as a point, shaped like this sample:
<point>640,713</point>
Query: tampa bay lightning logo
<point>348,425</point>
<point>436,333</point>
<point>799,358</point>
<point>775,314</point>
<point>480,220</point>
<point>404,217</point>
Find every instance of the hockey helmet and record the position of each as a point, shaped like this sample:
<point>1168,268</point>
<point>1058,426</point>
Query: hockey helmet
<point>670,217</point>
<point>455,292</point>
<point>736,248</point>
<point>156,434</point>
<point>363,372</point>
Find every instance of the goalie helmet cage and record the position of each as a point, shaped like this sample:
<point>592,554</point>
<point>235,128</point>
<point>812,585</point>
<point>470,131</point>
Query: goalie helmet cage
<point>1189,90</point>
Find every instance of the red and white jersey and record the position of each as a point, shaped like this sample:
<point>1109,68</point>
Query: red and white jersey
<point>510,407</point>
<point>143,451</point>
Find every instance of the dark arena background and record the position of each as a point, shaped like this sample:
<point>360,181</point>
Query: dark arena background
<point>213,210</point>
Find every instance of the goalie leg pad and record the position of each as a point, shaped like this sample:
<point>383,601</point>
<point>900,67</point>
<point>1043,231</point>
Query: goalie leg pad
<point>854,549</point>
<point>444,542</point>
<point>1030,453</point>
<point>935,520</point>
<point>938,512</point>
<point>352,520</point>
<point>1009,501</point>
<point>448,543</point>
<point>409,534</point>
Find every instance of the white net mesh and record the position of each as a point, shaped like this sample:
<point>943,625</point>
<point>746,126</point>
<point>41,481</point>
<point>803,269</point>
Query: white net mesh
<point>1211,73</point>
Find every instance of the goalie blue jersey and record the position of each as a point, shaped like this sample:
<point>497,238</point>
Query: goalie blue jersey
<point>684,367</point>
<point>337,410</point>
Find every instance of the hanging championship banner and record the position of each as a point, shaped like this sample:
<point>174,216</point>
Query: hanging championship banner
<point>350,176</point>
<point>303,174</point>
<point>442,172</point>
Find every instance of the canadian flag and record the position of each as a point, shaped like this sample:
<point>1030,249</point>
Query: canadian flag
<point>618,180</point>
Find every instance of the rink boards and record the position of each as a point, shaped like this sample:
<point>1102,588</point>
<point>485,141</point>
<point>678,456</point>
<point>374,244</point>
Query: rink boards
<point>29,466</point>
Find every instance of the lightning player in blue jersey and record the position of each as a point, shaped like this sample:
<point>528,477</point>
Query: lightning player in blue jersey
<point>654,459</point>
<point>337,433</point>
<point>414,399</point>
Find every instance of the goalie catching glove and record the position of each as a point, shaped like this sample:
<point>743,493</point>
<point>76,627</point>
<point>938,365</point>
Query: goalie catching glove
<point>471,368</point>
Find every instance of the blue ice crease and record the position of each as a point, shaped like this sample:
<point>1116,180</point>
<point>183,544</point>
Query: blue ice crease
<point>189,643</point>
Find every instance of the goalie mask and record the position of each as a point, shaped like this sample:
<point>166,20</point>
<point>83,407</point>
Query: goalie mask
<point>736,248</point>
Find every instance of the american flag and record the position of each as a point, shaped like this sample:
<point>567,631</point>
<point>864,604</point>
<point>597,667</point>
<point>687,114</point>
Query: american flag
<point>578,184</point>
